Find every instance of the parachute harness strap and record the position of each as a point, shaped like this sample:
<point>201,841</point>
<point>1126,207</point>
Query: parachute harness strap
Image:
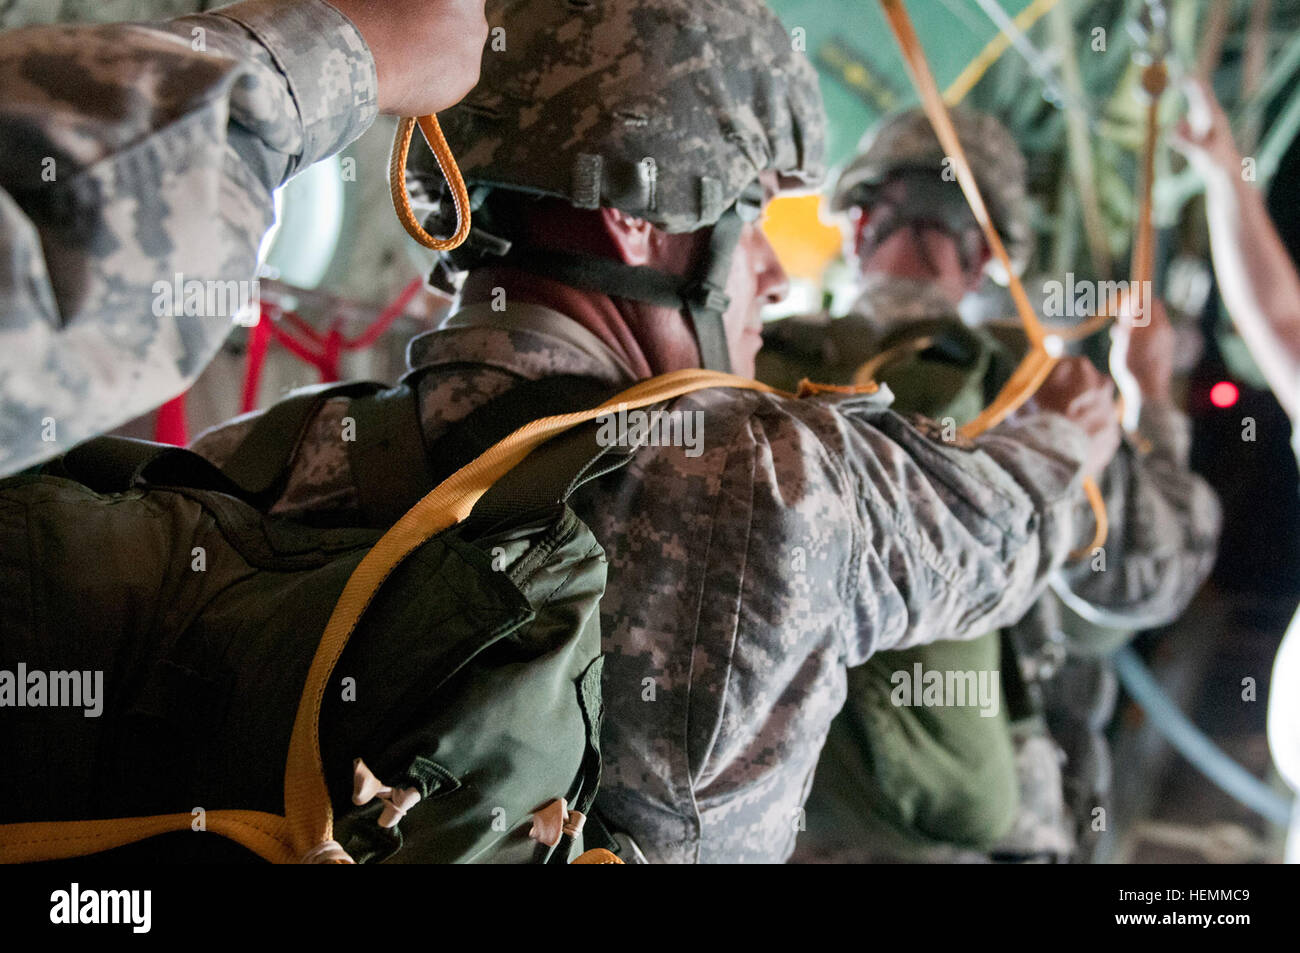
<point>450,171</point>
<point>706,298</point>
<point>1038,363</point>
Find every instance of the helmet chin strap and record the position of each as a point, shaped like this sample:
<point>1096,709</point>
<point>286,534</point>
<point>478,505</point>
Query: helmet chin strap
<point>701,296</point>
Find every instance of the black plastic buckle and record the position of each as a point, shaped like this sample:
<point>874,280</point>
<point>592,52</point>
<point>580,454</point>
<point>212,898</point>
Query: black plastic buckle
<point>708,296</point>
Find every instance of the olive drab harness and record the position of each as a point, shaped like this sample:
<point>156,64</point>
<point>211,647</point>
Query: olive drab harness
<point>305,832</point>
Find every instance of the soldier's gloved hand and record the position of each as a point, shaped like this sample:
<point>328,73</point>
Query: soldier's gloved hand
<point>1075,389</point>
<point>427,52</point>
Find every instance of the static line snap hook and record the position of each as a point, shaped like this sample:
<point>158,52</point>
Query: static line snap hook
<point>366,787</point>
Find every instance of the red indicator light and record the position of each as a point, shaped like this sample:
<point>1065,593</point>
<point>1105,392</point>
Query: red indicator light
<point>1223,394</point>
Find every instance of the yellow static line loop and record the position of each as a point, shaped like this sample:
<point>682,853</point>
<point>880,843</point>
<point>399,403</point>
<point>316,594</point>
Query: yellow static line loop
<point>447,163</point>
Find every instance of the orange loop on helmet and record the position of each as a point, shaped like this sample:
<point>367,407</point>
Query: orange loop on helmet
<point>450,171</point>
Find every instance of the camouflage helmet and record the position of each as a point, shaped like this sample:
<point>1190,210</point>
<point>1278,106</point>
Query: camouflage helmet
<point>667,110</point>
<point>905,141</point>
<point>664,109</point>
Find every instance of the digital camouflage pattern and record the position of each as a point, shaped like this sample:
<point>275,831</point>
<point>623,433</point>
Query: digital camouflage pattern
<point>18,13</point>
<point>663,109</point>
<point>808,535</point>
<point>905,140</point>
<point>1042,829</point>
<point>136,153</point>
<point>1164,519</point>
<point>1079,701</point>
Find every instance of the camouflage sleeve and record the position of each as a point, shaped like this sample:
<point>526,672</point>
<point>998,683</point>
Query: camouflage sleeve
<point>957,540</point>
<point>1163,531</point>
<point>135,189</point>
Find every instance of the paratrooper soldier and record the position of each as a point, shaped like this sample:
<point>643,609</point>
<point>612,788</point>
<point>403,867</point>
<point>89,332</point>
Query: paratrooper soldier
<point>619,155</point>
<point>915,782</point>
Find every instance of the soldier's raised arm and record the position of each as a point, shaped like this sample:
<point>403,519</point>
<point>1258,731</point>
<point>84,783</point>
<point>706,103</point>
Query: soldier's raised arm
<point>1163,519</point>
<point>955,541</point>
<point>136,174</point>
<point>1254,270</point>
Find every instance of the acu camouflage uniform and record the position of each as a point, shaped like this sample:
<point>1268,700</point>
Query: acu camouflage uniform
<point>19,13</point>
<point>134,153</point>
<point>809,533</point>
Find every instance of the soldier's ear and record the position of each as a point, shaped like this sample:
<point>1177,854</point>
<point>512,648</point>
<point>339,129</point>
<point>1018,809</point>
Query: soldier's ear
<point>630,235</point>
<point>975,277</point>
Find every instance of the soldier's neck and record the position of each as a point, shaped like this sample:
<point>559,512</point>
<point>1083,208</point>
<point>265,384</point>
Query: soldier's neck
<point>500,285</point>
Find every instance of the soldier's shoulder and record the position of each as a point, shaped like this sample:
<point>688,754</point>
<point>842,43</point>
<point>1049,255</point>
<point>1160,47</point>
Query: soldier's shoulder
<point>787,425</point>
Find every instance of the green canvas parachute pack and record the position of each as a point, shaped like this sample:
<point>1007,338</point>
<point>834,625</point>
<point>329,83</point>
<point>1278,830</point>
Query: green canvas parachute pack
<point>449,712</point>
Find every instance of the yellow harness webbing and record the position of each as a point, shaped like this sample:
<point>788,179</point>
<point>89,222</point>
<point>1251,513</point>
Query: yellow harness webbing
<point>447,163</point>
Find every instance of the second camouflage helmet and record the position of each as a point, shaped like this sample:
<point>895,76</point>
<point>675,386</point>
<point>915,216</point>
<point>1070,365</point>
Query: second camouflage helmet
<point>664,109</point>
<point>905,141</point>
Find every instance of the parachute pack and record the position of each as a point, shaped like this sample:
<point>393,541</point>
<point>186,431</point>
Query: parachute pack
<point>451,709</point>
